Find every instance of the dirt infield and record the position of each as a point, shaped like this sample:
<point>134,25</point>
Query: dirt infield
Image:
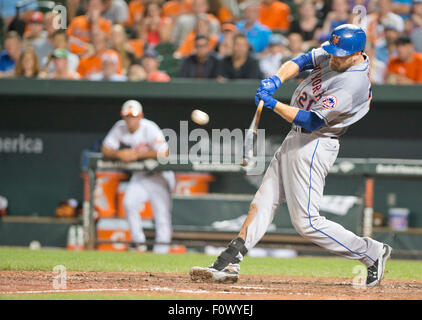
<point>251,287</point>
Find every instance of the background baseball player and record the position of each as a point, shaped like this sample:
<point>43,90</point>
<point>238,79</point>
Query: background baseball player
<point>336,94</point>
<point>130,139</point>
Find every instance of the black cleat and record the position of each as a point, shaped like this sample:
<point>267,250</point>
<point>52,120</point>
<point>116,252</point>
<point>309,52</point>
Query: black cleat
<point>376,271</point>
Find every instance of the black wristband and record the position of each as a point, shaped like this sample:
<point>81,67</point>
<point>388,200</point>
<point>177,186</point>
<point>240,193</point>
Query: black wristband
<point>230,254</point>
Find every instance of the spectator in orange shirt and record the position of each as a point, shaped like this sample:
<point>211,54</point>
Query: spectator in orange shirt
<point>406,67</point>
<point>150,63</point>
<point>136,12</point>
<point>82,27</point>
<point>92,64</point>
<point>174,8</point>
<point>275,15</point>
<point>203,27</point>
<point>218,9</point>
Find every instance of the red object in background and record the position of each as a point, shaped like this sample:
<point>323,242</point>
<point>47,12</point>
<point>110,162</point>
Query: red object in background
<point>177,249</point>
<point>105,193</point>
<point>192,183</point>
<point>107,231</point>
<point>369,193</point>
<point>109,193</point>
<point>3,206</point>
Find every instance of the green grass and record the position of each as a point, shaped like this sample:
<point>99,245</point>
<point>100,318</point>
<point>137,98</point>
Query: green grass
<point>25,259</point>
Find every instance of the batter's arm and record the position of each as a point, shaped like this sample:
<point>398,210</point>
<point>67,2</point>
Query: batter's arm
<point>287,112</point>
<point>306,119</point>
<point>287,71</point>
<point>292,68</point>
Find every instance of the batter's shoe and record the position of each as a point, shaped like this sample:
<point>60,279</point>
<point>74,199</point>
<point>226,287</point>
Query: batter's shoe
<point>376,271</point>
<point>229,274</point>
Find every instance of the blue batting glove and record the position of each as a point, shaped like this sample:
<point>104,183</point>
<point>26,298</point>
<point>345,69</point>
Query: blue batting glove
<point>269,101</point>
<point>270,84</point>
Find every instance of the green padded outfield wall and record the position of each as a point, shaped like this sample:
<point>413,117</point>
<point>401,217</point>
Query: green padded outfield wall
<point>44,126</point>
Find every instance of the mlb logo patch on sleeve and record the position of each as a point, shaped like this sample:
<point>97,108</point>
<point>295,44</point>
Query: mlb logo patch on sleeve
<point>329,102</point>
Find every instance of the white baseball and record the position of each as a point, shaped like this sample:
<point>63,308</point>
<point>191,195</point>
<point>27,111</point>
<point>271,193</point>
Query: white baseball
<point>35,245</point>
<point>200,117</point>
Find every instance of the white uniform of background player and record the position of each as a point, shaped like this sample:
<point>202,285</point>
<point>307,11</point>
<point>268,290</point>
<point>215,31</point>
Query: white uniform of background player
<point>132,138</point>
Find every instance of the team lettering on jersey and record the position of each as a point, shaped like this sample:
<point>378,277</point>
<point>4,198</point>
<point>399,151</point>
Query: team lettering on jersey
<point>317,83</point>
<point>306,101</point>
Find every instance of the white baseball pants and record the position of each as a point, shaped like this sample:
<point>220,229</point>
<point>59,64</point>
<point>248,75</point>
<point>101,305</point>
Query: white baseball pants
<point>154,188</point>
<point>296,175</point>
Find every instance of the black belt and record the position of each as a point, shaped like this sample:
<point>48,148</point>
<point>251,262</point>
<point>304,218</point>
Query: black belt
<point>303,130</point>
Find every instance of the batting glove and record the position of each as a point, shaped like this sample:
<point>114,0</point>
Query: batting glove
<point>270,84</point>
<point>269,101</point>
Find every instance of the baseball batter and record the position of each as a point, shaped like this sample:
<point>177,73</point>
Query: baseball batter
<point>130,139</point>
<point>336,94</point>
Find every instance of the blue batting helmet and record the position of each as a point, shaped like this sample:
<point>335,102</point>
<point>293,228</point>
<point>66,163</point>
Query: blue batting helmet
<point>345,40</point>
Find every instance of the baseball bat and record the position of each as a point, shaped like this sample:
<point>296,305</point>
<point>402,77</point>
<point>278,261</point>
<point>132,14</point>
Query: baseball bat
<point>251,135</point>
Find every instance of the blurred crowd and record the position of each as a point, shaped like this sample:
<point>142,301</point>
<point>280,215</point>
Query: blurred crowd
<point>157,40</point>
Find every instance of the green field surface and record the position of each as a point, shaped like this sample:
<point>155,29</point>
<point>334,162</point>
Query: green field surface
<point>333,267</point>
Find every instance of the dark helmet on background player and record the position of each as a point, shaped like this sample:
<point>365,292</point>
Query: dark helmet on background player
<point>345,40</point>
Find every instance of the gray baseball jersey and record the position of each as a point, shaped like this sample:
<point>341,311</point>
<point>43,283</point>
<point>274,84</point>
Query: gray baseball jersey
<point>339,98</point>
<point>297,172</point>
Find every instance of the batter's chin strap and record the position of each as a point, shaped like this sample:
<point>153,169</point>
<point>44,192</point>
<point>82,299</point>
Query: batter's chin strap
<point>230,254</point>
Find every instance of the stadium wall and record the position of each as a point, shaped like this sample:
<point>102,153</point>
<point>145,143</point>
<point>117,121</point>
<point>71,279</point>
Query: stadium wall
<point>45,125</point>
